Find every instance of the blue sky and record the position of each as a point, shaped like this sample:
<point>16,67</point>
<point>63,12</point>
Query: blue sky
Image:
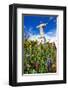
<point>31,21</point>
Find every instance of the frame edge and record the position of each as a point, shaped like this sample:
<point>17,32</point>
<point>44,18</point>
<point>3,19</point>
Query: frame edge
<point>12,75</point>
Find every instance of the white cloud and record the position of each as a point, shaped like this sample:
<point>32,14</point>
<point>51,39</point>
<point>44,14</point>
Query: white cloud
<point>48,37</point>
<point>52,33</point>
<point>30,29</point>
<point>51,38</point>
<point>34,37</point>
<point>51,18</point>
<point>24,27</point>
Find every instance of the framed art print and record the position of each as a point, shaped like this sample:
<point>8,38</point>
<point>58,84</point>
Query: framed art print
<point>37,44</point>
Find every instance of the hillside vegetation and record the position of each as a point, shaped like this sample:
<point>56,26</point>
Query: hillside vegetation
<point>39,58</point>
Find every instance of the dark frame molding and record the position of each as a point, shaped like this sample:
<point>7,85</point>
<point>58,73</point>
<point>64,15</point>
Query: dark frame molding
<point>13,44</point>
